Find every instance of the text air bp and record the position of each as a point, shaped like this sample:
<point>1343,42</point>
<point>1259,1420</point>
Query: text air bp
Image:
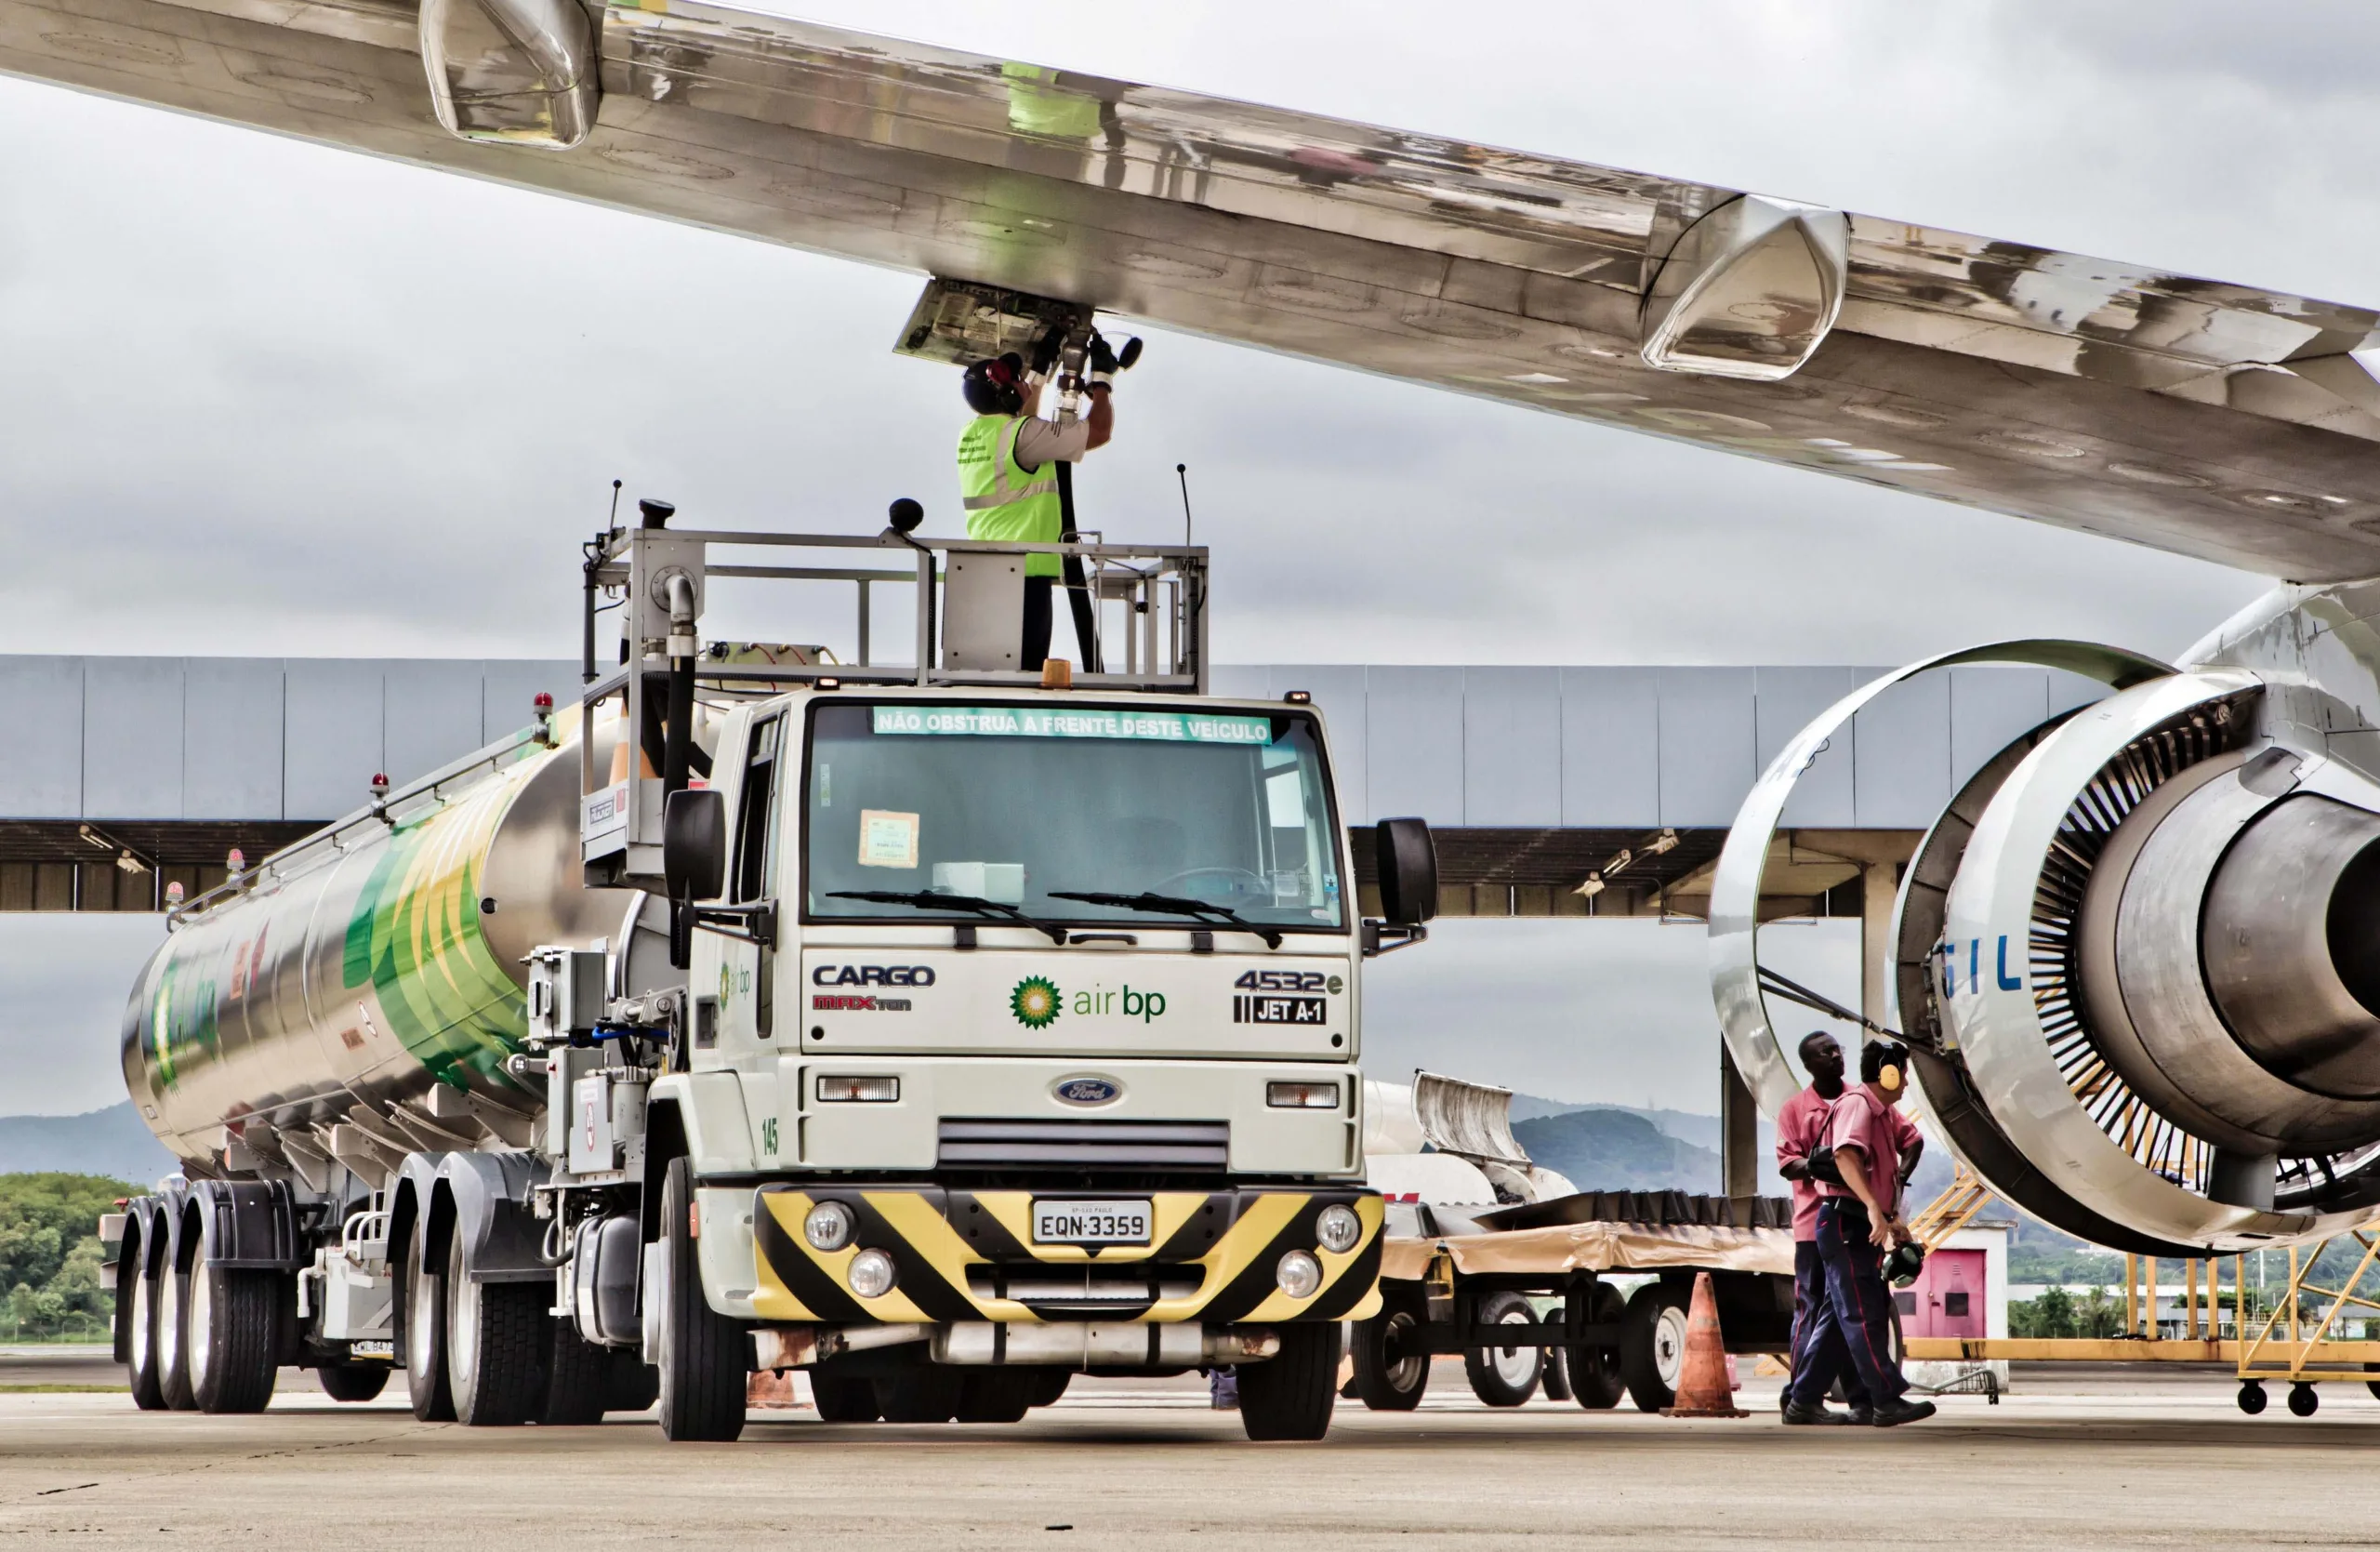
<point>1038,1001</point>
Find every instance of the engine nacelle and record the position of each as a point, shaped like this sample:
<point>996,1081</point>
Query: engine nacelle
<point>2138,955</point>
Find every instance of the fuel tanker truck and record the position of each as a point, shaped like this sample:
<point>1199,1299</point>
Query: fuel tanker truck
<point>942,1032</point>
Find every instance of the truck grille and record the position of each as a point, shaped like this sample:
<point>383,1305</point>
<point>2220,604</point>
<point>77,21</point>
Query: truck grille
<point>1135,1287</point>
<point>1075,1145</point>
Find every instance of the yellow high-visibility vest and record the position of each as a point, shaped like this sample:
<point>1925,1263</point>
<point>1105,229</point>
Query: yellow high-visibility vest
<point>1006,503</point>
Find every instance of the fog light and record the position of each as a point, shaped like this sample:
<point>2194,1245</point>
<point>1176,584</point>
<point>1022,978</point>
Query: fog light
<point>870,1274</point>
<point>1299,1274</point>
<point>828,1226</point>
<point>1338,1227</point>
<point>1301,1096</point>
<point>858,1090</point>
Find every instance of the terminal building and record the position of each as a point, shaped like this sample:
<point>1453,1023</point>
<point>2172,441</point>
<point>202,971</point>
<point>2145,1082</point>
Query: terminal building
<point>1554,791</point>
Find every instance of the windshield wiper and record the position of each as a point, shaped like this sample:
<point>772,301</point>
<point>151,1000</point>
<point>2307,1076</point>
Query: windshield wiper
<point>1180,905</point>
<point>926,899</point>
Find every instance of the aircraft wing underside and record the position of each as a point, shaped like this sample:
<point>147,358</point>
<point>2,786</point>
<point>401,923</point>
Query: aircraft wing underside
<point>2211,419</point>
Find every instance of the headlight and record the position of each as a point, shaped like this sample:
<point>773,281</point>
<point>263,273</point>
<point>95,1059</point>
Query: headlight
<point>1299,1274</point>
<point>828,1226</point>
<point>1338,1227</point>
<point>1302,1097</point>
<point>870,1274</point>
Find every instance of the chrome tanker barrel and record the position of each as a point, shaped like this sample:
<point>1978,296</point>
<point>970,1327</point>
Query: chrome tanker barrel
<point>354,997</point>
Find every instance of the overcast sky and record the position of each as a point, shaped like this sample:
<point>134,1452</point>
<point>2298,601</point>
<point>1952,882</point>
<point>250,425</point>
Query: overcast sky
<point>268,398</point>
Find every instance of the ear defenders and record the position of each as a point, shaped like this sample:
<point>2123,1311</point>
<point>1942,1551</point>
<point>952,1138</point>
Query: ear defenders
<point>996,387</point>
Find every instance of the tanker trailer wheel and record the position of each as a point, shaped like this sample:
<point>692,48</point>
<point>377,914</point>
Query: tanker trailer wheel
<point>576,1371</point>
<point>353,1382</point>
<point>1391,1360</point>
<point>426,1340</point>
<point>1596,1381</point>
<point>702,1351</point>
<point>632,1385</point>
<point>1652,1347</point>
<point>1503,1376</point>
<point>234,1323</point>
<point>841,1398</point>
<point>140,1338</point>
<point>1290,1394</point>
<point>496,1337</point>
<point>996,1395</point>
<point>1050,1384</point>
<point>922,1393</point>
<point>173,1334</point>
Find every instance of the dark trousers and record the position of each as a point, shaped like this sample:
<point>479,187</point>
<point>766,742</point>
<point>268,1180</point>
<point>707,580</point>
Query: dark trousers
<point>1854,1320</point>
<point>1035,649</point>
<point>1809,1293</point>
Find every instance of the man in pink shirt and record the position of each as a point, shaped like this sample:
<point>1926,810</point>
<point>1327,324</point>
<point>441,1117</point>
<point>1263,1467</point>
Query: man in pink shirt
<point>1801,1127</point>
<point>1857,1220</point>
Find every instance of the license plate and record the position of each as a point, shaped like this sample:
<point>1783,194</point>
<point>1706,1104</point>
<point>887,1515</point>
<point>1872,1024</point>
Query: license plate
<point>368,1348</point>
<point>1090,1222</point>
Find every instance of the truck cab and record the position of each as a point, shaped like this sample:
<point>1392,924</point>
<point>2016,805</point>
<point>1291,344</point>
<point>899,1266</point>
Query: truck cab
<point>1019,1029</point>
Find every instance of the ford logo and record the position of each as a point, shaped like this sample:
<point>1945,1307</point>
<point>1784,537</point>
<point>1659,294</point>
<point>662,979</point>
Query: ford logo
<point>1087,1090</point>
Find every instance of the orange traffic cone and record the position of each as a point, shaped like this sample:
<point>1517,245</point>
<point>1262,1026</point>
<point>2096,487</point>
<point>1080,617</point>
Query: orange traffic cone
<point>1702,1389</point>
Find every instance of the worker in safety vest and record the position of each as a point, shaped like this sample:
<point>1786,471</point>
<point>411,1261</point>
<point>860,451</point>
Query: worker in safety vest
<point>1008,477</point>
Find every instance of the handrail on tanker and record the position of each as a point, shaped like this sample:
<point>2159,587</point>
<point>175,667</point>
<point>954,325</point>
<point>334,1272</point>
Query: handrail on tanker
<point>490,758</point>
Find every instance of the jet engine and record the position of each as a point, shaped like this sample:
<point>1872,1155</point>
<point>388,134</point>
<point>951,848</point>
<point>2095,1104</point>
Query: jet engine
<point>2137,957</point>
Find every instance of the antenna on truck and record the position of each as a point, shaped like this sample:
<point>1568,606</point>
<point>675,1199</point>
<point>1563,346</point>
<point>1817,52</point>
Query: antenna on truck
<point>1181,473</point>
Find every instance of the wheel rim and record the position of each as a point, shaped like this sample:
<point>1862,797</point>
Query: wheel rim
<point>1514,1366</point>
<point>462,1329</point>
<point>202,1323</point>
<point>420,1321</point>
<point>1403,1374</point>
<point>169,1325</point>
<point>143,1296</point>
<point>1668,1345</point>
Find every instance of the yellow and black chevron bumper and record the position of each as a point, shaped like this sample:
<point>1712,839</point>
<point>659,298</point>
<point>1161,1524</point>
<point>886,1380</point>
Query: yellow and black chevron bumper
<point>969,1256</point>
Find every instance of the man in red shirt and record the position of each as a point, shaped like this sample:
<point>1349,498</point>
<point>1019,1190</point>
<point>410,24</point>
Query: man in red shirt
<point>1857,1221</point>
<point>1801,1126</point>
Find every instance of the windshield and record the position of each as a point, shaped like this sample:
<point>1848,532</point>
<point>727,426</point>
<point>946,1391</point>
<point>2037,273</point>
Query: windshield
<point>1217,816</point>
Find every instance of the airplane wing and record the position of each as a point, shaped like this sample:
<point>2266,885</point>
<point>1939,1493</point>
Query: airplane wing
<point>2211,419</point>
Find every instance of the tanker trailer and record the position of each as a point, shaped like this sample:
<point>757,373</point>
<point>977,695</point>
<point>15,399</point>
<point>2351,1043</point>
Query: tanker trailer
<point>329,1024</point>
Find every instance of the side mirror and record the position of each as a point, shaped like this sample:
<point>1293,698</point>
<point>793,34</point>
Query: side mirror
<point>693,844</point>
<point>1407,861</point>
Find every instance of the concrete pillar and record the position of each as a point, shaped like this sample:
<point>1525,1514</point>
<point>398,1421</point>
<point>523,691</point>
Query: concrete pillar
<point>1739,1132</point>
<point>1877,890</point>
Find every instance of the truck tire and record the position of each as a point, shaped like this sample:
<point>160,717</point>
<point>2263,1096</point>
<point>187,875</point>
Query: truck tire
<point>576,1371</point>
<point>1503,1376</point>
<point>173,1336</point>
<point>1050,1386</point>
<point>928,1393</point>
<point>632,1385</point>
<point>841,1398</point>
<point>1555,1380</point>
<point>353,1382</point>
<point>235,1323</point>
<point>1652,1348</point>
<point>140,1343</point>
<point>425,1350</point>
<point>496,1339</point>
<point>1594,1373</point>
<point>996,1395</point>
<point>1387,1377</point>
<point>1290,1395</point>
<point>702,1351</point>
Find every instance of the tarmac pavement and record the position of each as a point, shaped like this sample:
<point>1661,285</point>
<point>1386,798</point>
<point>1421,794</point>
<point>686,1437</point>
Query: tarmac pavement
<point>2104,1457</point>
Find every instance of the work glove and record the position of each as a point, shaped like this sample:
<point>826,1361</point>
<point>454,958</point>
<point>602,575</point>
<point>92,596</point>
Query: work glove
<point>1099,365</point>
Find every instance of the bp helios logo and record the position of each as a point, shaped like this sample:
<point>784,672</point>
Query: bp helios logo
<point>1036,1001</point>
